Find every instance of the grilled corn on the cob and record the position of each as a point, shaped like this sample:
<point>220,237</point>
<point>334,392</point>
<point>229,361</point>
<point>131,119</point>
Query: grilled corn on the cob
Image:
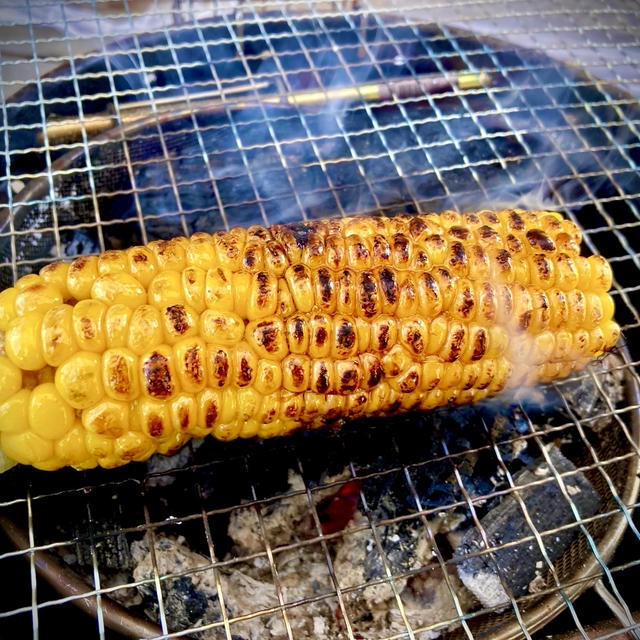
<point>259,331</point>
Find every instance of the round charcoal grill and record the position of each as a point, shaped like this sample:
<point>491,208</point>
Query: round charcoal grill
<point>541,134</point>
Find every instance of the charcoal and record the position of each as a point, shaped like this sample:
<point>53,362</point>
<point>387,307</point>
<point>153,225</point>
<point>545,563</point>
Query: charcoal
<point>523,564</point>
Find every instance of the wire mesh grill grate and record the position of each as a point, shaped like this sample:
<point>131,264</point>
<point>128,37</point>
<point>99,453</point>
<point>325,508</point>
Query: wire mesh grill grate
<point>227,118</point>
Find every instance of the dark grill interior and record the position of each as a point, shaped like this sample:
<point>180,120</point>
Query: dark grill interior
<point>542,134</point>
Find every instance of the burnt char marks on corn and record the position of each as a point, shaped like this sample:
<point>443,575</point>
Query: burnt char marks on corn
<point>178,318</point>
<point>368,294</point>
<point>157,376</point>
<point>389,286</point>
<point>192,365</point>
<point>539,240</point>
<point>325,282</point>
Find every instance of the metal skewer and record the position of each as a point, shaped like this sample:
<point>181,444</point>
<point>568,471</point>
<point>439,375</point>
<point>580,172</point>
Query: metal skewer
<point>64,130</point>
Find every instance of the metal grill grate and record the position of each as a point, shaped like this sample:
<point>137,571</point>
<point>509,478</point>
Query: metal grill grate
<point>261,112</point>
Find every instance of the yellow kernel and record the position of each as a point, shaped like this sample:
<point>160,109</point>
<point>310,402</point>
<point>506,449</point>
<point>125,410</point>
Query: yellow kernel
<point>88,325</point>
<point>27,281</point>
<point>49,415</point>
<point>81,275</point>
<point>300,284</point>
<point>193,287</point>
<point>26,447</point>
<point>601,274</point>
<point>295,372</point>
<point>55,274</point>
<point>145,329</point>
<point>23,342</point>
<point>108,417</point>
<point>221,327</point>
<point>37,297</point>
<point>7,307</point>
<point>119,288</point>
<point>116,325</point>
<point>141,264</point>
<point>71,449</point>
<point>200,252</point>
<point>166,289</point>
<point>112,261</point>
<point>438,331</point>
<point>10,378</point>
<point>133,445</point>
<point>98,445</point>
<point>543,348</point>
<point>218,289</point>
<point>170,254</point>
<point>79,380</point>
<point>58,340</point>
<point>14,412</point>
<point>241,284</point>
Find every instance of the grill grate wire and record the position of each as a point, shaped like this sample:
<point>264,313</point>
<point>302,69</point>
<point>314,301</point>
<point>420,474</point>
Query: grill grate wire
<point>575,134</point>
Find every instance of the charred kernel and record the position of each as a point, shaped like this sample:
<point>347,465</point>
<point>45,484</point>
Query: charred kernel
<point>252,258</point>
<point>401,249</point>
<point>322,378</point>
<point>267,338</point>
<point>414,335</point>
<point>367,291</point>
<point>275,258</point>
<point>408,381</point>
<point>380,249</point>
<point>540,241</point>
<point>263,295</point>
<point>455,343</point>
<point>384,333</point>
<point>325,292</point>
<point>158,373</point>
<point>335,251</point>
<point>346,286</point>
<point>459,233</point>
<point>245,363</point>
<point>218,366</point>
<point>488,235</point>
<point>345,339</point>
<point>209,409</point>
<point>478,342</point>
<point>513,244</point>
<point>296,372</point>
<point>371,370</point>
<point>179,321</point>
<point>388,288</point>
<point>320,327</point>
<point>297,330</point>
<point>190,358</point>
<point>88,325</point>
<point>464,302</point>
<point>358,254</point>
<point>120,374</point>
<point>347,375</point>
<point>436,247</point>
<point>430,300</point>
<point>515,221</point>
<point>542,271</point>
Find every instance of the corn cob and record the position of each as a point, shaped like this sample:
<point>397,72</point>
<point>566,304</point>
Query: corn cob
<point>259,331</point>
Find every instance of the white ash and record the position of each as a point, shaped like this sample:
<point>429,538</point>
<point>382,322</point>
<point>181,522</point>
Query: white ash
<point>538,584</point>
<point>486,586</point>
<point>248,586</point>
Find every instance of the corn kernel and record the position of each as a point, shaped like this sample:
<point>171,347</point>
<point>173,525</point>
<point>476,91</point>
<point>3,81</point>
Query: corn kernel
<point>23,342</point>
<point>79,380</point>
<point>10,378</point>
<point>49,415</point>
<point>119,288</point>
<point>14,412</point>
